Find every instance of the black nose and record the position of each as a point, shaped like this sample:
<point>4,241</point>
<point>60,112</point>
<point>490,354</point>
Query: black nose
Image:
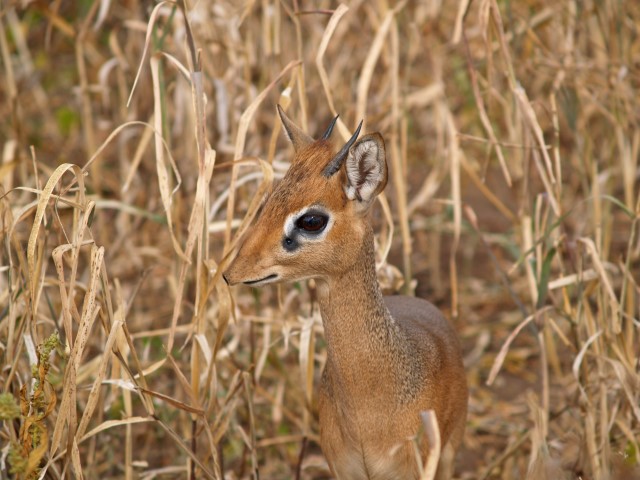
<point>225,279</point>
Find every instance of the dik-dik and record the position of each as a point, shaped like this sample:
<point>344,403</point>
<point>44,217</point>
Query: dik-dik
<point>388,358</point>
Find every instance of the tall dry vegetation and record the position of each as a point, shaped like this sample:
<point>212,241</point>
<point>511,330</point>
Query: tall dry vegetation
<point>137,145</point>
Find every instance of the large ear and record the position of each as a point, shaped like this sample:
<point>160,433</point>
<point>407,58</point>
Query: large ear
<point>366,169</point>
<point>298,138</point>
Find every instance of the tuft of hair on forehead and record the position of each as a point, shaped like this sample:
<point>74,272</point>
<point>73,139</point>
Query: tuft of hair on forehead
<point>313,158</point>
<point>304,182</point>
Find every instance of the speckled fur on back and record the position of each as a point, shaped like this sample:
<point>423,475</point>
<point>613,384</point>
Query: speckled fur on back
<point>388,359</point>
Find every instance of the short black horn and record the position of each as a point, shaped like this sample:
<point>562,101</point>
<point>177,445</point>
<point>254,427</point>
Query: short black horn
<point>327,134</point>
<point>335,164</point>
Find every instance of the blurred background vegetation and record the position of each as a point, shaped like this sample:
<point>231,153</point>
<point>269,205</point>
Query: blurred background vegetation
<point>137,139</point>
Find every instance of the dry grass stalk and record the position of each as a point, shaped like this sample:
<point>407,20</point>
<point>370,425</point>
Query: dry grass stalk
<point>432,434</point>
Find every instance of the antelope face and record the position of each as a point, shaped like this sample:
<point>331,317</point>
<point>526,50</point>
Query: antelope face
<point>313,222</point>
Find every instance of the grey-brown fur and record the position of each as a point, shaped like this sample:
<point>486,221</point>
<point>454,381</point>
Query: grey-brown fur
<point>392,358</point>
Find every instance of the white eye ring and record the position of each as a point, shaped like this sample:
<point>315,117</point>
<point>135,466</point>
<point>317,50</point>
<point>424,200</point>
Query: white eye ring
<point>290,229</point>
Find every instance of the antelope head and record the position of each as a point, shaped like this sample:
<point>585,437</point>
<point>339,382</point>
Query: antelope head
<point>313,223</point>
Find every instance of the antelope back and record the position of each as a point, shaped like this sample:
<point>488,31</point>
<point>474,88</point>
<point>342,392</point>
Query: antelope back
<point>313,222</point>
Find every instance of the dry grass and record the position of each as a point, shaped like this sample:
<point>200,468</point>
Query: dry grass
<point>513,136</point>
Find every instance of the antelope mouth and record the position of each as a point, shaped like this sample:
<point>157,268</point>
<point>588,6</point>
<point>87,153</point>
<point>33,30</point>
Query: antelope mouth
<point>267,279</point>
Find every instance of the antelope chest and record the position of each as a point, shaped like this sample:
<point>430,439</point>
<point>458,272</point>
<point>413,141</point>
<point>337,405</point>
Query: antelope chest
<point>365,441</point>
<point>350,465</point>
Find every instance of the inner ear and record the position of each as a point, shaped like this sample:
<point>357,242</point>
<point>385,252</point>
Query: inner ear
<point>366,168</point>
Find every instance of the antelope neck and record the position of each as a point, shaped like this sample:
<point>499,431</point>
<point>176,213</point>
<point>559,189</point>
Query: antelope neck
<point>357,324</point>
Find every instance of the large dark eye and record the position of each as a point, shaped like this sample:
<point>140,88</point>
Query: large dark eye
<point>312,222</point>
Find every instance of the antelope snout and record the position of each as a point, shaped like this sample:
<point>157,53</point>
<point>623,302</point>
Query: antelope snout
<point>230,275</point>
<point>250,271</point>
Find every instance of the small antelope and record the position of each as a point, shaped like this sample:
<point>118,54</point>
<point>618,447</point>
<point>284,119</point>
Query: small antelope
<point>388,358</point>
